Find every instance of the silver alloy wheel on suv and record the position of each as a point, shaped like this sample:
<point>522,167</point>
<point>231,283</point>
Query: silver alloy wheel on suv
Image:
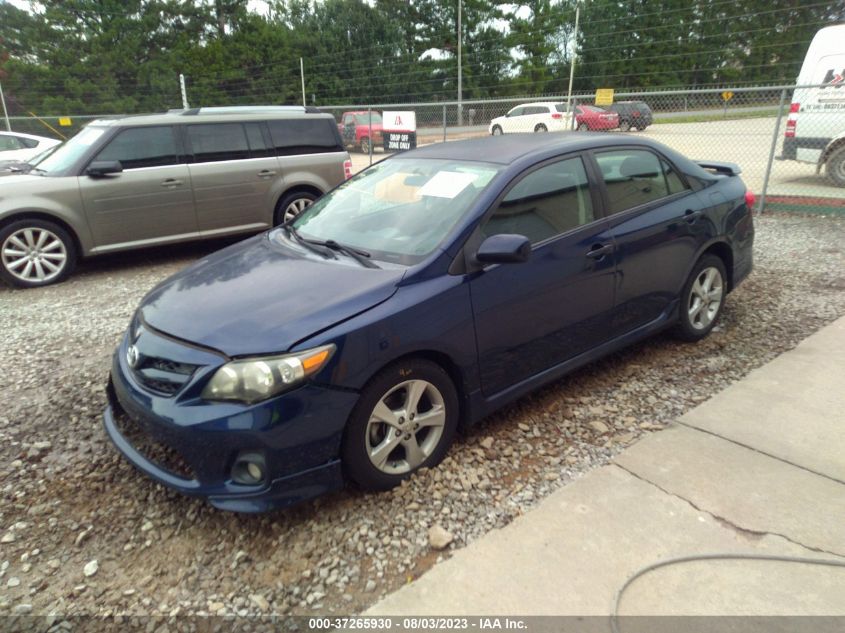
<point>35,252</point>
<point>296,206</point>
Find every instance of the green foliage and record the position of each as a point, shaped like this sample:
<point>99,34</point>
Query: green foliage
<point>108,56</point>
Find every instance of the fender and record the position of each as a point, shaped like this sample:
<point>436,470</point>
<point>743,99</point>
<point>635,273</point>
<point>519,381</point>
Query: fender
<point>835,143</point>
<point>57,199</point>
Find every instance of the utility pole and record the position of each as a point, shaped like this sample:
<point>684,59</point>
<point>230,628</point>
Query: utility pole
<point>184,91</point>
<point>5,112</point>
<point>460,70</point>
<point>302,75</point>
<point>572,64</point>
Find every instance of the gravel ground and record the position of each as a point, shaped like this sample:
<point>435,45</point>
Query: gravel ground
<point>81,532</point>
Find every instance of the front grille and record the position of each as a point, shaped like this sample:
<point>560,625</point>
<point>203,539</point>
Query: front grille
<point>152,448</point>
<point>162,375</point>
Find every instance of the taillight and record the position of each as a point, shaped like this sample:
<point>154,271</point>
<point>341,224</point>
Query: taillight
<point>750,199</point>
<point>792,120</point>
<point>557,115</point>
<point>347,169</point>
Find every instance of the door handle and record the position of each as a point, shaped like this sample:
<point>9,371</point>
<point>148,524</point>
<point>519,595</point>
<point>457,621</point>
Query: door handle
<point>598,251</point>
<point>171,182</point>
<point>691,216</point>
<point>266,173</point>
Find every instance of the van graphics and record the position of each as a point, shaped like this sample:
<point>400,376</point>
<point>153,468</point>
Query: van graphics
<point>833,79</point>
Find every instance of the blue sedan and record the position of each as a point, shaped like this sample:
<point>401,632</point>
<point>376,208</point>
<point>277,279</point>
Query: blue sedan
<point>351,343</point>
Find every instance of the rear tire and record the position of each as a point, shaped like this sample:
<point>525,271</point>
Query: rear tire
<point>835,167</point>
<point>35,253</point>
<point>292,205</point>
<point>540,128</point>
<point>405,420</point>
<point>702,299</point>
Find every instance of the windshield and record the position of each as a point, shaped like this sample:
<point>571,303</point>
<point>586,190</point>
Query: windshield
<point>364,119</point>
<point>398,210</point>
<point>42,155</point>
<point>67,154</point>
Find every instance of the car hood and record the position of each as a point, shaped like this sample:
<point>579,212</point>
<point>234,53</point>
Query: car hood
<point>23,183</point>
<point>260,296</point>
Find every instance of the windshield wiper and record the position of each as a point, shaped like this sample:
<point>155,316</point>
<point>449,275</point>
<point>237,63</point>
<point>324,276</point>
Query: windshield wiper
<point>314,246</point>
<point>355,253</point>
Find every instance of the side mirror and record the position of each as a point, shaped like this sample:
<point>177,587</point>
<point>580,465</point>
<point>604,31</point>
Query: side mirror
<point>101,168</point>
<point>504,249</point>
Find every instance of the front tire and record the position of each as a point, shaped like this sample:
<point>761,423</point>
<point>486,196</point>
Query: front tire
<point>702,299</point>
<point>292,205</point>
<point>497,131</point>
<point>835,167</point>
<point>405,420</point>
<point>365,145</point>
<point>583,127</point>
<point>624,126</point>
<point>35,253</point>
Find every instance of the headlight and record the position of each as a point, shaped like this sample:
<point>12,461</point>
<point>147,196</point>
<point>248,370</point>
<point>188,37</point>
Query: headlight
<point>255,379</point>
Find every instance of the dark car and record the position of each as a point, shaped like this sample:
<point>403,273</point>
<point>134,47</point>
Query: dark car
<point>632,114</point>
<point>422,295</point>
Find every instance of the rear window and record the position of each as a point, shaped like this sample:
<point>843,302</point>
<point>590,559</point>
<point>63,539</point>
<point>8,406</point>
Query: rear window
<point>305,136</point>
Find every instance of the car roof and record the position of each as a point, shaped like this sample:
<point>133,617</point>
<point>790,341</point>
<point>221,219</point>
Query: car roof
<point>170,118</point>
<point>537,103</point>
<point>30,136</point>
<point>508,148</point>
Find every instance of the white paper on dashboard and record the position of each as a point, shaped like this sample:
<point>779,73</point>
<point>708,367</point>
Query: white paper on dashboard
<point>447,184</point>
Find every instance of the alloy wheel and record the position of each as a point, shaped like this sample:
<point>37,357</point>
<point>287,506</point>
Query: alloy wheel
<point>34,254</point>
<point>705,298</point>
<point>405,427</point>
<point>296,207</point>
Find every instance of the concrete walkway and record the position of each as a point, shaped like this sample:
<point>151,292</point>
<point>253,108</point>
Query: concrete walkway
<point>757,469</point>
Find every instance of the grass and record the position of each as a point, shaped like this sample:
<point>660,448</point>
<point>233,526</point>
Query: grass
<point>717,116</point>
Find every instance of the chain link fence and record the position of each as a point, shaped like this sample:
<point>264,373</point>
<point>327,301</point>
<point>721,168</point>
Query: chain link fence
<point>792,156</point>
<point>789,141</point>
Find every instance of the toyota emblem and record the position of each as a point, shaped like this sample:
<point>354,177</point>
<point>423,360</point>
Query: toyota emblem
<point>132,356</point>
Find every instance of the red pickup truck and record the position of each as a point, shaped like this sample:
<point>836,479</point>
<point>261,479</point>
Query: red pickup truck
<point>356,130</point>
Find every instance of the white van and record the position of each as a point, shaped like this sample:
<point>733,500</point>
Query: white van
<point>815,129</point>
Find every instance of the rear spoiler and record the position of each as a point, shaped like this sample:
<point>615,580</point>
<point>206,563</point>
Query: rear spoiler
<point>727,169</point>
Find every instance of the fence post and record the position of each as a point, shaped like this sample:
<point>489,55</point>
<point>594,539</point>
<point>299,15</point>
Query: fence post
<point>370,132</point>
<point>183,91</point>
<point>444,122</point>
<point>772,152</point>
<point>6,112</point>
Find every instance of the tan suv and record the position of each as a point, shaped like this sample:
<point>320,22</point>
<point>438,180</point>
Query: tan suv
<point>137,181</point>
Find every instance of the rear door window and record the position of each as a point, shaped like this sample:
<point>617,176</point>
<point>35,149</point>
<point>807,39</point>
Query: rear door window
<point>304,136</point>
<point>635,177</point>
<point>214,142</point>
<point>258,146</point>
<point>135,148</point>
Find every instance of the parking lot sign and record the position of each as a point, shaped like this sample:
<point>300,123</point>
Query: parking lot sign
<point>604,96</point>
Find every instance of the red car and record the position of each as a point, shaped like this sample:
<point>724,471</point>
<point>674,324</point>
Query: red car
<point>588,117</point>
